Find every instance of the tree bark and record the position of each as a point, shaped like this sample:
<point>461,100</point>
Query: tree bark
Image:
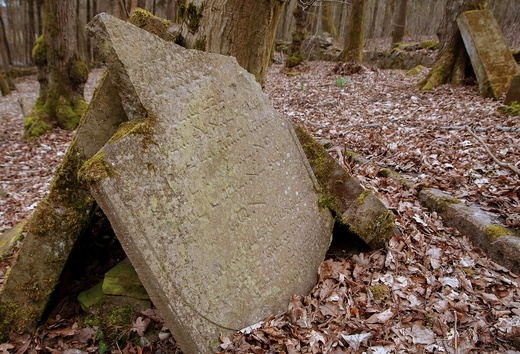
<point>399,23</point>
<point>387,20</point>
<point>372,30</point>
<point>452,60</point>
<point>327,19</point>
<point>244,29</point>
<point>297,37</point>
<point>354,36</point>
<point>4,52</point>
<point>62,74</point>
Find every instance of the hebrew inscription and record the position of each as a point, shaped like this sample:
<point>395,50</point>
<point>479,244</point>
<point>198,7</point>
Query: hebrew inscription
<point>214,202</point>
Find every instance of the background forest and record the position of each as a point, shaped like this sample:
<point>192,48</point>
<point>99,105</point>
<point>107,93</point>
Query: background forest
<point>21,21</point>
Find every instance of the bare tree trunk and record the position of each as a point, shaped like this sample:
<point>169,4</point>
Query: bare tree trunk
<point>452,59</point>
<point>387,20</point>
<point>372,30</point>
<point>399,23</point>
<point>244,29</point>
<point>4,50</point>
<point>354,36</point>
<point>62,74</point>
<point>4,87</point>
<point>327,19</point>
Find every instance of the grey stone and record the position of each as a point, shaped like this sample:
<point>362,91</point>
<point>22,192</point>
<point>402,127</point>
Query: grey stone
<point>500,243</point>
<point>206,187</point>
<point>9,238</point>
<point>123,280</point>
<point>58,220</point>
<point>490,56</point>
<point>513,94</point>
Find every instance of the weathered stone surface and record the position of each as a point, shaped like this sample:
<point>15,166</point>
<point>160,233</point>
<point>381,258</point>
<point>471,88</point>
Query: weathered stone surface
<point>354,206</point>
<point>490,56</point>
<point>9,238</point>
<point>208,189</point>
<point>513,94</point>
<point>500,243</point>
<point>123,280</point>
<point>58,220</point>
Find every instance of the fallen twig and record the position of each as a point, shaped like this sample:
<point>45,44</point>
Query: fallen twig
<point>497,161</point>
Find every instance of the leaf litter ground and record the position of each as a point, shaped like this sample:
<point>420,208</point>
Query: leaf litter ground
<point>429,291</point>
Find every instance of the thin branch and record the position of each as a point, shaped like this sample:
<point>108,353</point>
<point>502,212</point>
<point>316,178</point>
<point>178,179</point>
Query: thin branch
<point>497,161</point>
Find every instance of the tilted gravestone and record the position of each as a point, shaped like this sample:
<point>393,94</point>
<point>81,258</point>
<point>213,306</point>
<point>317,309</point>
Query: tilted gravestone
<point>490,56</point>
<point>206,187</point>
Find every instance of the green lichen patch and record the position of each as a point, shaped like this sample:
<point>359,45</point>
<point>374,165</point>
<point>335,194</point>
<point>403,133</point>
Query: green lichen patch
<point>379,291</point>
<point>361,199</point>
<point>381,229</point>
<point>415,70</point>
<point>36,123</point>
<point>95,169</point>
<point>137,127</point>
<point>494,232</point>
<point>293,61</point>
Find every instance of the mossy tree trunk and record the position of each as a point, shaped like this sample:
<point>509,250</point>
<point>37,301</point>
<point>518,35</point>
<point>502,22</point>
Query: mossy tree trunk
<point>355,33</point>
<point>244,29</point>
<point>297,37</point>
<point>61,73</point>
<point>452,59</point>
<point>399,23</point>
<point>327,19</point>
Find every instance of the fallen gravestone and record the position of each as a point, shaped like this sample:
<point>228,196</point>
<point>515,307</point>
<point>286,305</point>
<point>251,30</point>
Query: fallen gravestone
<point>206,187</point>
<point>490,56</point>
<point>58,220</point>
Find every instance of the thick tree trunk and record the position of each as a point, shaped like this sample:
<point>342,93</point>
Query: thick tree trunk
<point>244,29</point>
<point>399,23</point>
<point>327,19</point>
<point>452,60</point>
<point>354,36</point>
<point>62,75</point>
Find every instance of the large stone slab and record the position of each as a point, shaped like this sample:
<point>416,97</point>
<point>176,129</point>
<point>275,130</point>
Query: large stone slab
<point>490,56</point>
<point>58,220</point>
<point>206,187</point>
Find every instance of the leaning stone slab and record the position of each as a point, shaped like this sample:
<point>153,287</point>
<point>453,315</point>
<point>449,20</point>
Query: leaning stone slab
<point>353,205</point>
<point>206,187</point>
<point>500,243</point>
<point>58,220</point>
<point>490,56</point>
<point>513,94</point>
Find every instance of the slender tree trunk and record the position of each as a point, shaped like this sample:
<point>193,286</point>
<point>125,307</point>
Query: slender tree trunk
<point>387,20</point>
<point>354,36</point>
<point>399,23</point>
<point>62,74</point>
<point>3,40</point>
<point>450,64</point>
<point>244,29</point>
<point>4,86</point>
<point>372,30</point>
<point>4,50</point>
<point>327,19</point>
<point>298,36</point>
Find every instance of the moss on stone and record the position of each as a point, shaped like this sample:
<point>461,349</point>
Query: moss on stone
<point>39,52</point>
<point>415,70</point>
<point>494,232</point>
<point>384,172</point>
<point>200,44</point>
<point>293,61</point>
<point>95,169</point>
<point>153,24</point>
<point>513,109</point>
<point>381,227</point>
<point>143,127</point>
<point>429,44</point>
<point>35,123</point>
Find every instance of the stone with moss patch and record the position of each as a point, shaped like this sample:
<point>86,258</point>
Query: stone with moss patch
<point>494,232</point>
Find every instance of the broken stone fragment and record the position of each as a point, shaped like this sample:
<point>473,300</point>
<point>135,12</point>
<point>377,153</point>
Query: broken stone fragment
<point>353,205</point>
<point>123,280</point>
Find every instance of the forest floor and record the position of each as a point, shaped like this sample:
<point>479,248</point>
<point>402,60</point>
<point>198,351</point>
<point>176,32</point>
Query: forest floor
<point>429,291</point>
